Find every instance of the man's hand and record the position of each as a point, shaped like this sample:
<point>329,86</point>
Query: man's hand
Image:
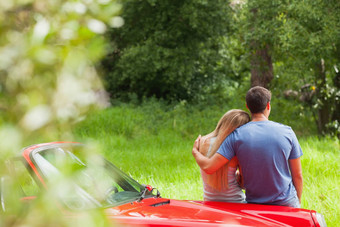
<point>196,146</point>
<point>208,165</point>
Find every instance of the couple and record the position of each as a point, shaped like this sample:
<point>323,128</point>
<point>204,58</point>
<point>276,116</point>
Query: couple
<point>261,156</point>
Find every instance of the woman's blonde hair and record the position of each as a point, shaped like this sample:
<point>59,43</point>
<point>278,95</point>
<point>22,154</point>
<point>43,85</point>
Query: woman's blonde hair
<point>226,125</point>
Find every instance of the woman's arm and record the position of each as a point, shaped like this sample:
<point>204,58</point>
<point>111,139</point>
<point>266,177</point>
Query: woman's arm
<point>239,177</point>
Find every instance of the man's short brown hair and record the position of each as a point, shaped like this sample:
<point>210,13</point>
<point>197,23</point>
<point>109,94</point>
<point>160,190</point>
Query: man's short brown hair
<point>257,98</point>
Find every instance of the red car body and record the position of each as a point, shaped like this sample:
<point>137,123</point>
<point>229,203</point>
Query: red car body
<point>156,211</point>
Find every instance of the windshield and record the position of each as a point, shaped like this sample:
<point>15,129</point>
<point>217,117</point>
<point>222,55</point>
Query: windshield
<point>86,181</point>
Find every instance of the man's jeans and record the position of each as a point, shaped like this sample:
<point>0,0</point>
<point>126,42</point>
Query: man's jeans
<point>293,202</point>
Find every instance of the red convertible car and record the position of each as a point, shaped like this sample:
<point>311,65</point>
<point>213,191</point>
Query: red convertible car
<point>98,184</point>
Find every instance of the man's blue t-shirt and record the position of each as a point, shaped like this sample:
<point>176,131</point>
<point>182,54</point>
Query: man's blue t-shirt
<point>263,149</point>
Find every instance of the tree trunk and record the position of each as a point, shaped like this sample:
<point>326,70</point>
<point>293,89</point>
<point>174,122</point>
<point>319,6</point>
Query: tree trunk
<point>324,108</point>
<point>336,112</point>
<point>261,66</point>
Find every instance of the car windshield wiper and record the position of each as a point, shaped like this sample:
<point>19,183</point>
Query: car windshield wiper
<point>148,188</point>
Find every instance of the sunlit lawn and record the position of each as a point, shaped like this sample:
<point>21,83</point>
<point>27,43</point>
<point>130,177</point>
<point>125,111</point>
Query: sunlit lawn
<point>156,150</point>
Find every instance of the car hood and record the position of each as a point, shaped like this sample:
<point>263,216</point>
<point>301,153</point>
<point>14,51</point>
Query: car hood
<point>168,212</point>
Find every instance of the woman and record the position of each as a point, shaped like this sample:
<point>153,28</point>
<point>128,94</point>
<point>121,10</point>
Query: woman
<point>223,185</point>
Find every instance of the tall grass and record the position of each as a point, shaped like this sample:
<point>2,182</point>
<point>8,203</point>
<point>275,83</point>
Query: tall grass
<point>153,143</point>
<point>321,171</point>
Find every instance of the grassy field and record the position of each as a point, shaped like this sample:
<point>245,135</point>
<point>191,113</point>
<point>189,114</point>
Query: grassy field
<point>153,144</point>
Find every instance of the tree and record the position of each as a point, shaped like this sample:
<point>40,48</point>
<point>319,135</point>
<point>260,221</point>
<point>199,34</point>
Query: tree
<point>168,49</point>
<point>310,36</point>
<point>300,41</point>
<point>259,30</point>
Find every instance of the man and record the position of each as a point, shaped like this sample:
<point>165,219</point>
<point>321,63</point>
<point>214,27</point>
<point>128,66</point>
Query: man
<point>268,152</point>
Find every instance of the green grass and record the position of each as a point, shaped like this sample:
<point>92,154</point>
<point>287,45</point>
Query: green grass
<point>153,144</point>
<point>321,171</point>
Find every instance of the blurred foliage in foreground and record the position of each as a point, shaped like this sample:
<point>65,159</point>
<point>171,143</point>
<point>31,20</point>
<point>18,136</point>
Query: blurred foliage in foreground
<point>48,50</point>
